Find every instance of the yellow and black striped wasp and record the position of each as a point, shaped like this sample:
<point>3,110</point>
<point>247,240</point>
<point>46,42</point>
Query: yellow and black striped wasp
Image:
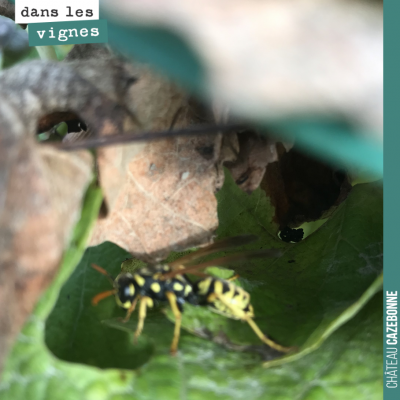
<point>169,283</point>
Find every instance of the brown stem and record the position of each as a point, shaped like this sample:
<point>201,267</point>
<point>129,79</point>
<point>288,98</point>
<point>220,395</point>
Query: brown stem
<point>143,136</point>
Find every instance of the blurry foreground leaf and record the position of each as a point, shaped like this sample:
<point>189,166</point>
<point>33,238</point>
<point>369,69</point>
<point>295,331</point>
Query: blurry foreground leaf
<point>211,49</point>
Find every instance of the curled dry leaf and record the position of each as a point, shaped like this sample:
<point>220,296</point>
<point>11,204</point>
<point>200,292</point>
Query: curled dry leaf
<point>255,152</point>
<point>280,58</point>
<point>303,189</point>
<point>41,189</point>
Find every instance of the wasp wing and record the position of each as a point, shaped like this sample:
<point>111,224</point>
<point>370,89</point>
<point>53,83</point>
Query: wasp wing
<point>225,261</point>
<point>220,245</point>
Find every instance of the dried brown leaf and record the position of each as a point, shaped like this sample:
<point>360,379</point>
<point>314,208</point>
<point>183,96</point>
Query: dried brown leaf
<point>303,189</point>
<point>160,195</point>
<point>255,153</point>
<point>41,194</point>
<point>41,188</point>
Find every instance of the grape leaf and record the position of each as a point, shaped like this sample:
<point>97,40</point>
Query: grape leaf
<point>82,344</point>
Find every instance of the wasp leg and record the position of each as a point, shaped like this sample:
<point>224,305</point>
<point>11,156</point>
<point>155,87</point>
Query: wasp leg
<point>242,315</point>
<point>131,310</point>
<point>144,303</point>
<point>265,338</point>
<point>178,318</point>
<point>233,278</point>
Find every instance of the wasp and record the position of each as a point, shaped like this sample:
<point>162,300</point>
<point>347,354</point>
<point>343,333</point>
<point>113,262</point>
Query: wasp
<point>169,282</point>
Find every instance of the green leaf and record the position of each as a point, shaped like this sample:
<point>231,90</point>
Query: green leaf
<point>344,367</point>
<point>299,299</point>
<point>317,285</point>
<point>306,293</point>
<point>47,52</point>
<point>11,59</point>
<point>336,270</point>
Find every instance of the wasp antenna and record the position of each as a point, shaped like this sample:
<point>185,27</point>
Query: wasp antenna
<point>102,296</point>
<point>104,272</point>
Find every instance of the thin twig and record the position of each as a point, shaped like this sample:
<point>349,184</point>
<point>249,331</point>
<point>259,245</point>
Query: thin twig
<point>143,136</point>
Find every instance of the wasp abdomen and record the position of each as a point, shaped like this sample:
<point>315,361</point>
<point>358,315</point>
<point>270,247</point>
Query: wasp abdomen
<point>224,297</point>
